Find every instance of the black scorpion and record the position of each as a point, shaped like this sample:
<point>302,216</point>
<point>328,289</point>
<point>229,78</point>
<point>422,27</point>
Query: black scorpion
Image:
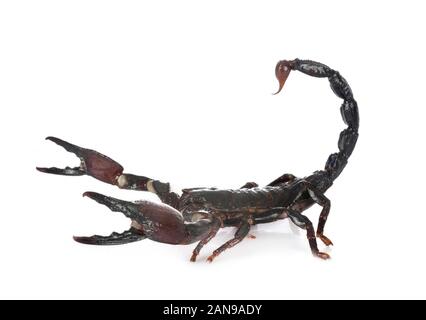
<point>199,213</point>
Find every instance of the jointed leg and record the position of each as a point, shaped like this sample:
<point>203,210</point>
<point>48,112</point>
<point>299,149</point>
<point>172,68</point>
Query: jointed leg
<point>105,169</point>
<point>303,222</point>
<point>213,231</point>
<point>250,185</point>
<point>241,233</point>
<point>320,199</point>
<point>323,201</point>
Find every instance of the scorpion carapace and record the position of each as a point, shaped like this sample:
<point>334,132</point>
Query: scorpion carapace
<point>198,213</point>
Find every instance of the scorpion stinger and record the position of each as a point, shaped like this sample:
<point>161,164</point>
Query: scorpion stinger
<point>199,213</point>
<point>282,70</point>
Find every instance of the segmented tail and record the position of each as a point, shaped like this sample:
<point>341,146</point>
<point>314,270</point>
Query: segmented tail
<point>337,161</point>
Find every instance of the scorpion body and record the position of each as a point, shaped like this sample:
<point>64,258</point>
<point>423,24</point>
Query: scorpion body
<point>199,213</point>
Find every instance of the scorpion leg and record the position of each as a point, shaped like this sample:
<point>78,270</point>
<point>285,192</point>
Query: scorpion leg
<point>323,201</point>
<point>250,185</point>
<point>303,222</point>
<point>240,234</point>
<point>213,231</point>
<point>114,238</point>
<point>313,195</point>
<point>105,169</point>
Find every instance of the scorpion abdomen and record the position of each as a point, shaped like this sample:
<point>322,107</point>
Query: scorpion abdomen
<point>236,199</point>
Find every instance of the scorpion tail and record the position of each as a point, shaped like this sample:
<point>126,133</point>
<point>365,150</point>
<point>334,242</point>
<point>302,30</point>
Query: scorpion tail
<point>349,110</point>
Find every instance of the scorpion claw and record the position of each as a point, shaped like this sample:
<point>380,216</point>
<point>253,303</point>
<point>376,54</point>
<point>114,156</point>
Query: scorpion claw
<point>92,163</point>
<point>67,171</point>
<point>282,70</point>
<point>128,208</point>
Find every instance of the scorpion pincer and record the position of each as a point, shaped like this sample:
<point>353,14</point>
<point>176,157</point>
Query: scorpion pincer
<point>199,213</point>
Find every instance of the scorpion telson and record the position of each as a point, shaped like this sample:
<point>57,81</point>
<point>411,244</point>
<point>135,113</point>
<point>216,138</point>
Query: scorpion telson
<point>199,213</point>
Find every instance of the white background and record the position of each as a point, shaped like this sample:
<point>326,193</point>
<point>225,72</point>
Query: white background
<point>181,91</point>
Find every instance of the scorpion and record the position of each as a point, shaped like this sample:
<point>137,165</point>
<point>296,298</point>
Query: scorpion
<point>199,213</point>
